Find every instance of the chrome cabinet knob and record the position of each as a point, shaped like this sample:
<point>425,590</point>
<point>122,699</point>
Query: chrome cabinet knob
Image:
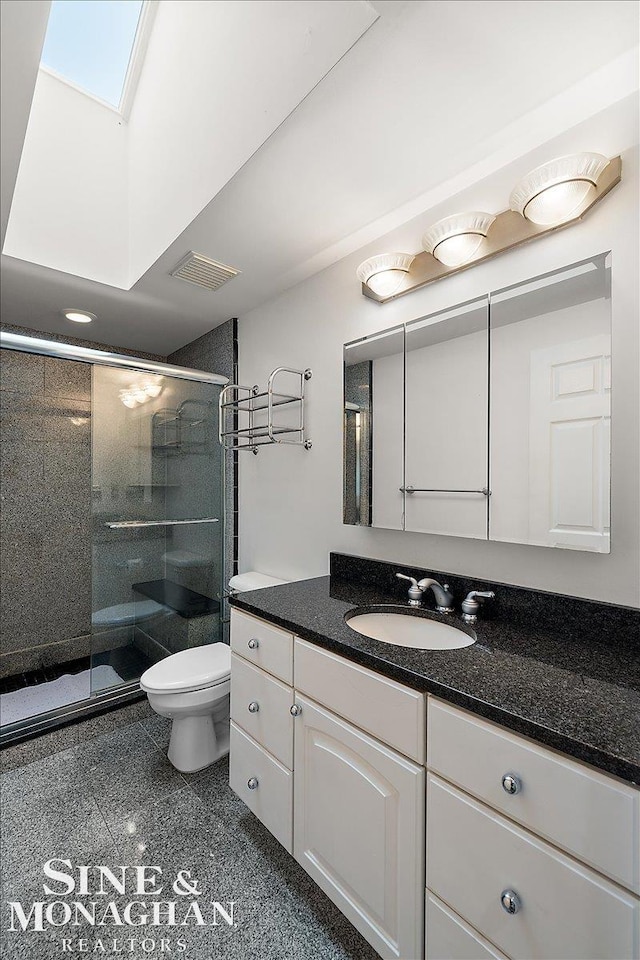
<point>253,644</point>
<point>511,784</point>
<point>254,707</point>
<point>295,710</point>
<point>510,901</point>
<point>252,783</point>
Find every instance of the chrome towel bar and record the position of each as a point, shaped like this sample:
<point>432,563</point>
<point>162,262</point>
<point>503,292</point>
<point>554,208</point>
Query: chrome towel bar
<point>485,491</point>
<point>131,524</point>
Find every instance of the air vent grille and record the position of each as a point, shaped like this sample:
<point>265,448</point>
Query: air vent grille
<point>203,272</point>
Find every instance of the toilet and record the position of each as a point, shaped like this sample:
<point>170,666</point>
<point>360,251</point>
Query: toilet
<point>191,688</point>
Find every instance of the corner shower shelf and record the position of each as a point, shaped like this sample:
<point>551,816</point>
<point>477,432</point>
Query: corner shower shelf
<point>237,401</point>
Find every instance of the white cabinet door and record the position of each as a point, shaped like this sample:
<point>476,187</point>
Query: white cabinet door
<point>359,828</point>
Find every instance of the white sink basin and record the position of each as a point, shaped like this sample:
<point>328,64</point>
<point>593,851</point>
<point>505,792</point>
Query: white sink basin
<point>404,630</point>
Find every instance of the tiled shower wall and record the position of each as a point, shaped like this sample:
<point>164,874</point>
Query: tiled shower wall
<point>45,497</point>
<point>217,352</point>
<point>45,508</point>
<point>45,533</point>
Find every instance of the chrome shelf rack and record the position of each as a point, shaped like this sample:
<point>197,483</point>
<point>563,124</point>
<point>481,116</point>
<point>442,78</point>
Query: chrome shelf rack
<point>246,419</point>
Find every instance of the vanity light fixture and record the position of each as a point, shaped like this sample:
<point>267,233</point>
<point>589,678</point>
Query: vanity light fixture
<point>557,191</point>
<point>79,316</point>
<point>552,196</point>
<point>385,274</point>
<point>455,240</point>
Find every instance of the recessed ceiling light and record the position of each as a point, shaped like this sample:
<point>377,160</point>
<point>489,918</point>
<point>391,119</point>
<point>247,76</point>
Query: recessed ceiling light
<point>455,240</point>
<point>79,316</point>
<point>558,190</point>
<point>385,274</point>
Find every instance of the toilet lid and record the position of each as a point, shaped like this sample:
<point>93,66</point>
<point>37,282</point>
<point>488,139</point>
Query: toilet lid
<point>188,670</point>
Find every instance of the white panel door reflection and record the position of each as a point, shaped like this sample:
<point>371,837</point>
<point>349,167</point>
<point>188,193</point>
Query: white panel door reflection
<point>570,429</point>
<point>551,409</point>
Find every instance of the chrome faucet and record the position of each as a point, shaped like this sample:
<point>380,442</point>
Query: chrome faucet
<point>471,605</point>
<point>443,597</point>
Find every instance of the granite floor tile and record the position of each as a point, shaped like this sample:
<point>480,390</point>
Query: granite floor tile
<point>123,743</point>
<point>159,729</point>
<point>68,825</point>
<point>121,787</point>
<point>54,774</point>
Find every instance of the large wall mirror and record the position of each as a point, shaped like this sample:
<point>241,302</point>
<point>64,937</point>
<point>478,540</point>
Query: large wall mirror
<point>489,420</point>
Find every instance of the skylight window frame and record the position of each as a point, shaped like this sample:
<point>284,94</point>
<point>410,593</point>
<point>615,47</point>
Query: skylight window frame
<point>134,67</point>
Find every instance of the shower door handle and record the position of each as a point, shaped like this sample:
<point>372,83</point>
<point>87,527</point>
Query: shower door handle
<point>133,524</point>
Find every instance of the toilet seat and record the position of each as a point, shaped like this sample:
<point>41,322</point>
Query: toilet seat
<point>189,670</point>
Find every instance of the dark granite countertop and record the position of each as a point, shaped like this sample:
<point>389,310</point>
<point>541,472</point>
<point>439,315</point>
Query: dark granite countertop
<point>574,688</point>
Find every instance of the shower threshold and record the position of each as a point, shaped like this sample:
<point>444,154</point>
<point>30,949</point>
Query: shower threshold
<point>52,697</point>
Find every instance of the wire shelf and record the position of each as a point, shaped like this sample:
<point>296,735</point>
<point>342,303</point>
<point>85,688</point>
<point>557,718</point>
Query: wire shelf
<point>237,400</point>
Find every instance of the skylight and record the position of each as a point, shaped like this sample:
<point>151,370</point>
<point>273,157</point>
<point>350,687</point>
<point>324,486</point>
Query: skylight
<point>90,43</point>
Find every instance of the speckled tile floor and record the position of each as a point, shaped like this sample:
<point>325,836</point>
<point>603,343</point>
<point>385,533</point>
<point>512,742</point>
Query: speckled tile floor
<point>117,800</point>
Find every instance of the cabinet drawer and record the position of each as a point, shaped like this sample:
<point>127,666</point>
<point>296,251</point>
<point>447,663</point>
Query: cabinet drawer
<point>565,909</point>
<point>592,816</point>
<point>269,720</point>
<point>266,646</point>
<point>448,937</point>
<point>390,711</point>
<point>272,798</point>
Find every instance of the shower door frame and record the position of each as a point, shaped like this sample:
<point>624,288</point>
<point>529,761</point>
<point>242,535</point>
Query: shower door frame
<point>129,692</point>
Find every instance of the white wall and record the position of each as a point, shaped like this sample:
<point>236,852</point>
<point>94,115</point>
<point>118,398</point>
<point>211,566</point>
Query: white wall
<point>217,80</point>
<point>70,211</point>
<point>291,500</point>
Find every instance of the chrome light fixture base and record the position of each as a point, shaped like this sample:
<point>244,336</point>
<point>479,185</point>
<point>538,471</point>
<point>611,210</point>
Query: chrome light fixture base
<point>509,229</point>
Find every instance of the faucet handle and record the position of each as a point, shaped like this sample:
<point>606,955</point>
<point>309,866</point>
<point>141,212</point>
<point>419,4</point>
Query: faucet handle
<point>471,605</point>
<point>415,590</point>
<point>403,576</point>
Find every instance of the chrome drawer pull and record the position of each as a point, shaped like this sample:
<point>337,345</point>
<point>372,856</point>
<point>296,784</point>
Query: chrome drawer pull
<point>252,783</point>
<point>511,784</point>
<point>510,901</point>
<point>254,707</point>
<point>295,710</point>
<point>253,644</point>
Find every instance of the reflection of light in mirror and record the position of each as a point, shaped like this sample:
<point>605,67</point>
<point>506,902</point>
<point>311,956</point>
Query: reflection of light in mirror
<point>139,393</point>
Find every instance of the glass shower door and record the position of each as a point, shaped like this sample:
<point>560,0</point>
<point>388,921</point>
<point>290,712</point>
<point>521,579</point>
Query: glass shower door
<point>158,531</point>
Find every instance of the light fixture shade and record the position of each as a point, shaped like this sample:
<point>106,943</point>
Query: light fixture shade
<point>555,191</point>
<point>384,274</point>
<point>455,240</point>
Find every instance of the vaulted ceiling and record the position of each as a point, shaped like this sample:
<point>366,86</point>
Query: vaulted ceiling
<point>298,136</point>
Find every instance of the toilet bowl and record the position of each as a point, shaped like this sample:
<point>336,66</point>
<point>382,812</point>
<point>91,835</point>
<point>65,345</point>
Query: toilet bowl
<point>191,688</point>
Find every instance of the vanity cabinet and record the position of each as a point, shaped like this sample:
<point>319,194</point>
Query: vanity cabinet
<point>524,853</point>
<point>358,828</point>
<point>538,839</point>
<point>333,764</point>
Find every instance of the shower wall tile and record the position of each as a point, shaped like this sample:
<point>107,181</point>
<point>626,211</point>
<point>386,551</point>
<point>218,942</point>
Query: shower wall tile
<point>217,352</point>
<point>21,372</point>
<point>67,378</point>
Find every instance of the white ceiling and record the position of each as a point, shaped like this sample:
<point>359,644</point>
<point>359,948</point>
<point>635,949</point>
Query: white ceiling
<point>431,93</point>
